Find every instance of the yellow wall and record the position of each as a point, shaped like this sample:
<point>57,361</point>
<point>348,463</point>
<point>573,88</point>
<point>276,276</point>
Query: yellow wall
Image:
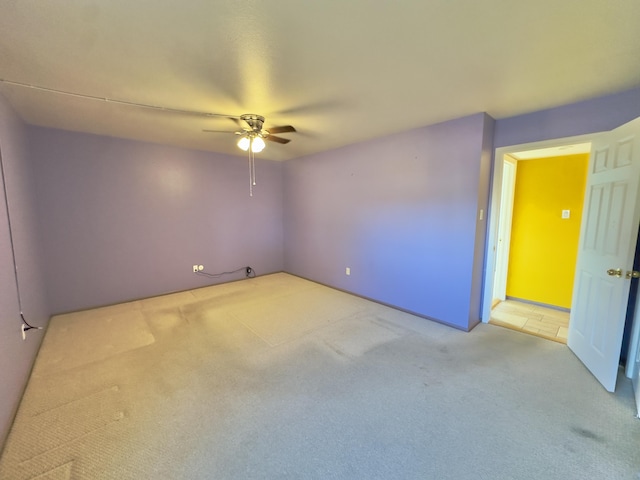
<point>544,246</point>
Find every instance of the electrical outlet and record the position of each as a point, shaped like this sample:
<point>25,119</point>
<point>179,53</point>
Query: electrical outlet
<point>24,332</point>
<point>195,269</point>
<point>347,271</point>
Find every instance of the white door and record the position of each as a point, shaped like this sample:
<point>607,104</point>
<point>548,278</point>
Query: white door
<point>605,255</point>
<point>509,168</point>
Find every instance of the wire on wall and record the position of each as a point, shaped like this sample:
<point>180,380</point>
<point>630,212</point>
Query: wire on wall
<point>248,272</point>
<point>25,324</point>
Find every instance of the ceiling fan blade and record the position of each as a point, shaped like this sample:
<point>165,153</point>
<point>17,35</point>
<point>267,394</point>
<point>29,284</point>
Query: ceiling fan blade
<point>237,122</point>
<point>217,131</point>
<point>271,138</point>
<point>283,129</point>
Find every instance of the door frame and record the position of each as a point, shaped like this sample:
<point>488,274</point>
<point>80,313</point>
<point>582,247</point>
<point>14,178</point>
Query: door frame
<point>495,204</point>
<point>503,239</point>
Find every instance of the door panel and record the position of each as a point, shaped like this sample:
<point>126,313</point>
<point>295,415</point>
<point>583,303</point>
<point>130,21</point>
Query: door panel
<point>608,239</point>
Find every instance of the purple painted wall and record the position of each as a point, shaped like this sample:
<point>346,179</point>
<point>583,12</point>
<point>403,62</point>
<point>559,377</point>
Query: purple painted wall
<point>17,356</point>
<point>124,220</point>
<point>590,116</point>
<point>402,213</point>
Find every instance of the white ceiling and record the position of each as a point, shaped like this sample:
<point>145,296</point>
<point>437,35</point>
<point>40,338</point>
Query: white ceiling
<point>339,71</point>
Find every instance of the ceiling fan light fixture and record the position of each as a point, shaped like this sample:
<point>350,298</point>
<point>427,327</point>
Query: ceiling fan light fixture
<point>257,145</point>
<point>243,143</point>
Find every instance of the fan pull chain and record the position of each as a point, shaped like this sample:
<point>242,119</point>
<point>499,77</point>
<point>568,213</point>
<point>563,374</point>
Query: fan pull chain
<point>251,136</point>
<point>250,175</point>
<point>252,167</point>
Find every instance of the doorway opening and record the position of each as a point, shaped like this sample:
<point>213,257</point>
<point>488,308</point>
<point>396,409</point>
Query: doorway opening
<point>605,268</point>
<point>538,320</point>
<point>542,194</point>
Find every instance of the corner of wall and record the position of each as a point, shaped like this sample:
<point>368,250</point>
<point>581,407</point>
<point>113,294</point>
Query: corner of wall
<point>21,290</point>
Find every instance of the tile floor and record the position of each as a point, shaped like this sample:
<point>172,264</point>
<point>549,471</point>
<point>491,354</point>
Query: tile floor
<point>534,319</point>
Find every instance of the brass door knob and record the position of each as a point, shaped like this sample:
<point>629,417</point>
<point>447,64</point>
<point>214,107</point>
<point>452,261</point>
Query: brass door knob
<point>633,274</point>
<point>615,272</point>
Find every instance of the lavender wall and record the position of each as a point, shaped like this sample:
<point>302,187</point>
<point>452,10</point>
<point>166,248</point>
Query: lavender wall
<point>124,220</point>
<point>590,116</point>
<point>401,212</point>
<point>17,356</point>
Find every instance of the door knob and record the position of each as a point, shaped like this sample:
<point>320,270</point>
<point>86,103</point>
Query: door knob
<point>615,272</point>
<point>633,274</point>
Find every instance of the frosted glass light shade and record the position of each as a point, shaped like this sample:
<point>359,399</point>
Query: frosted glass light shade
<point>243,143</point>
<point>256,146</point>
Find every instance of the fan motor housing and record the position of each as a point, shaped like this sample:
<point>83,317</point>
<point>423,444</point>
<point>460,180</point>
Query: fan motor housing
<point>254,121</point>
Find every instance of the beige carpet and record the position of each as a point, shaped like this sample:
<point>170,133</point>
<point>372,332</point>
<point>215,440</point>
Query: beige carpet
<point>280,378</point>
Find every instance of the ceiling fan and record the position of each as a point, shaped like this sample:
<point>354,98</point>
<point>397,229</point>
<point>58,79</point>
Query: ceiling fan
<point>253,135</point>
<point>252,138</point>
